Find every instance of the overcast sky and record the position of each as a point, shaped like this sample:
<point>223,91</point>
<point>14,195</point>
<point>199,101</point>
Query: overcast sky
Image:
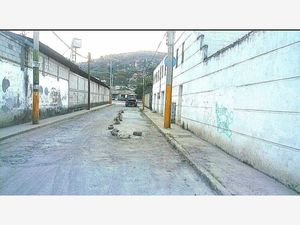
<point>101,43</point>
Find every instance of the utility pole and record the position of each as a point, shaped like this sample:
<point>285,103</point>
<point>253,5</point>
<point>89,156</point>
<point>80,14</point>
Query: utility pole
<point>89,82</point>
<point>110,82</point>
<point>170,43</point>
<point>143,97</point>
<point>35,95</point>
<point>110,74</point>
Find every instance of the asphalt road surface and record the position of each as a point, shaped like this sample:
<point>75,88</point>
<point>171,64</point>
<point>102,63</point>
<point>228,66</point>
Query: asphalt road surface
<point>80,157</point>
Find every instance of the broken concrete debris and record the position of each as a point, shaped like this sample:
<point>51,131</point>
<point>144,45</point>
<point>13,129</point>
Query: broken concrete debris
<point>114,132</point>
<point>137,133</point>
<point>124,136</point>
<point>120,116</point>
<point>116,120</point>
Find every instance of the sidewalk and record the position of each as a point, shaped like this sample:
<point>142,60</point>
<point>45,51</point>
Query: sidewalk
<point>224,173</point>
<point>8,132</point>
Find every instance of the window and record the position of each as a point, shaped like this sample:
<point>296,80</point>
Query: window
<point>177,57</point>
<point>182,53</point>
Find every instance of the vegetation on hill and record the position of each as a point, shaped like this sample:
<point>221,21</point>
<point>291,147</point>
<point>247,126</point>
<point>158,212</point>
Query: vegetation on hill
<point>127,68</point>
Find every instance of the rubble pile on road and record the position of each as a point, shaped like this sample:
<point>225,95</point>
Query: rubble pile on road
<point>116,120</point>
<point>137,133</point>
<point>110,127</point>
<point>115,131</point>
<point>119,117</point>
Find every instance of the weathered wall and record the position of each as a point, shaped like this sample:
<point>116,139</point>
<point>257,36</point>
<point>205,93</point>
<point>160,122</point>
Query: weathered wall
<point>245,99</point>
<point>148,100</point>
<point>61,90</point>
<point>13,100</point>
<point>14,81</point>
<point>159,87</point>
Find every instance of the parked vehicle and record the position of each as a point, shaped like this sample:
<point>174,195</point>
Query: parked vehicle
<point>131,101</point>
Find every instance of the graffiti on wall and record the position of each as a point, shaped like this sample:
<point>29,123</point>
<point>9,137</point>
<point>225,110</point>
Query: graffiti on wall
<point>224,118</point>
<point>5,84</point>
<point>11,93</point>
<point>53,93</point>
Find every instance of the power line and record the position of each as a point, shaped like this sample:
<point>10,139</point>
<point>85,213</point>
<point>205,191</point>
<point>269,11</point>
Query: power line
<point>68,45</point>
<point>143,94</point>
<point>155,52</point>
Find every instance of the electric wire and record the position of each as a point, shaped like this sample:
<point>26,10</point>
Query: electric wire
<point>68,45</point>
<point>146,67</point>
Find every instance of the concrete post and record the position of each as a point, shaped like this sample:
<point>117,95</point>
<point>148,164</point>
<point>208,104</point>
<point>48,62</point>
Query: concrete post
<point>110,74</point>
<point>35,95</point>
<point>168,99</point>
<point>143,96</point>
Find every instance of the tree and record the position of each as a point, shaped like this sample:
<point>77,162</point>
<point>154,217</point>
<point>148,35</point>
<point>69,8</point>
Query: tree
<point>148,86</point>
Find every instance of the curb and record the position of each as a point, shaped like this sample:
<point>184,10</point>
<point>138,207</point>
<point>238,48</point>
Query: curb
<point>209,178</point>
<point>53,122</point>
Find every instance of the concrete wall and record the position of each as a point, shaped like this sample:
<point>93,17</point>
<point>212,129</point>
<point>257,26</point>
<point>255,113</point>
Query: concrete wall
<point>148,100</point>
<point>244,98</point>
<point>159,87</point>
<point>61,90</point>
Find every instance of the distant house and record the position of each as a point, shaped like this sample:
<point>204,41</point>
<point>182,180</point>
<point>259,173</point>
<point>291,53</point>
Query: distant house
<point>119,94</point>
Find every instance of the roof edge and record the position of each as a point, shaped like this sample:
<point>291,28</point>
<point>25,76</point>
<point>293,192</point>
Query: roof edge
<point>45,49</point>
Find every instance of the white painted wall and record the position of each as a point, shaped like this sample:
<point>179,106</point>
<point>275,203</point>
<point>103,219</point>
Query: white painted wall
<point>245,98</point>
<point>60,89</point>
<point>53,92</point>
<point>147,100</point>
<point>159,87</point>
<point>12,93</point>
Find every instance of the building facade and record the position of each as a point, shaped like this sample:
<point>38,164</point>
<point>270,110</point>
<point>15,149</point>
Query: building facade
<point>63,85</point>
<point>240,91</point>
<point>159,87</point>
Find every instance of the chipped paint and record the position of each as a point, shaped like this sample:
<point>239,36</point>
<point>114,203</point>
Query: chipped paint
<point>56,96</point>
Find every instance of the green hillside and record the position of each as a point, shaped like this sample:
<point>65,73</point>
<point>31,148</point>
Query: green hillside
<point>126,67</point>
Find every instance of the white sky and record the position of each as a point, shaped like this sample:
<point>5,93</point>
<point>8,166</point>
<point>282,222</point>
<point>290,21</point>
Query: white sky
<point>101,43</point>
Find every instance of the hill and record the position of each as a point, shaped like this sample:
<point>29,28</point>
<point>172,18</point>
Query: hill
<point>126,67</point>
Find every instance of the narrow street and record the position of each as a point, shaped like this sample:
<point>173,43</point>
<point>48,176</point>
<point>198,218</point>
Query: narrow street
<point>81,157</point>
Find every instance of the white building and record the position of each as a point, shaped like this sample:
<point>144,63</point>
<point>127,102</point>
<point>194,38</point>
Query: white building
<point>159,87</point>
<point>240,91</point>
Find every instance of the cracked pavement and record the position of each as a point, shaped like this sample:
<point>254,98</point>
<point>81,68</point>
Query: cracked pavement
<point>80,157</point>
